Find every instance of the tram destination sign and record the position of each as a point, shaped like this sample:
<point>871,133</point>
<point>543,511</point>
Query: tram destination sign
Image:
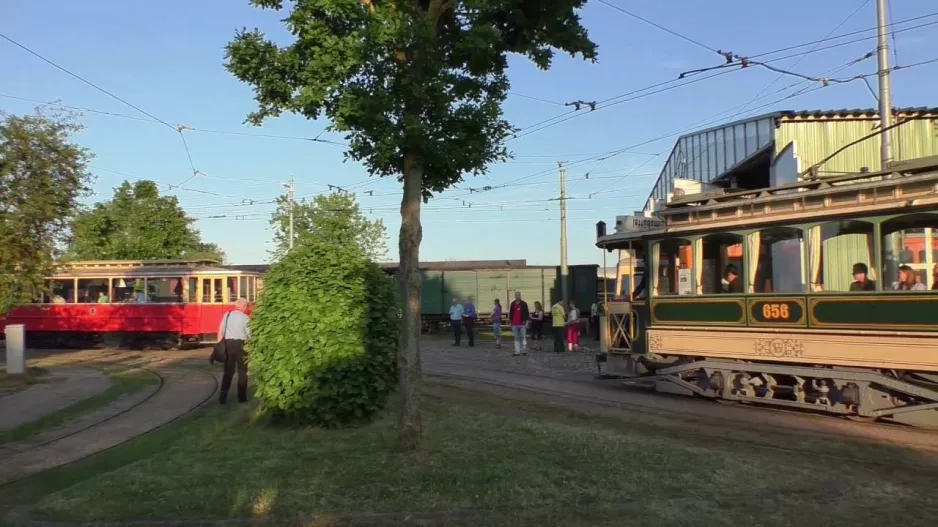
<point>638,223</point>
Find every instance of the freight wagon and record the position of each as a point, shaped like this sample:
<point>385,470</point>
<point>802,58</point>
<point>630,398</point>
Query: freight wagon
<point>486,280</point>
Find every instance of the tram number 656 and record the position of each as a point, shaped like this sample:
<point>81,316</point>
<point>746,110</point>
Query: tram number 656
<point>775,312</point>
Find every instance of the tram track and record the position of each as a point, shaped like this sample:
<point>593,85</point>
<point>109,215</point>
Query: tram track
<point>719,435</point>
<point>694,404</point>
<point>34,450</point>
<point>160,384</point>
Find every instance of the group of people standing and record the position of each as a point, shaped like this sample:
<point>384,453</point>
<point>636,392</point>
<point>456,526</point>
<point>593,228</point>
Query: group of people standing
<point>523,320</point>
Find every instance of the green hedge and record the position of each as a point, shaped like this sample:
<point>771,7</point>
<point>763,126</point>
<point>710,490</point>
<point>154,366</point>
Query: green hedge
<point>324,336</point>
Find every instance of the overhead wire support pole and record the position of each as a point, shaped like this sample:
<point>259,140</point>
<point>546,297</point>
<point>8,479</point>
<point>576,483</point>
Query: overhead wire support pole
<point>564,272</point>
<point>885,98</point>
<point>291,187</point>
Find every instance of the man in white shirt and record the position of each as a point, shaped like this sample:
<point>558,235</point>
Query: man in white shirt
<point>234,330</point>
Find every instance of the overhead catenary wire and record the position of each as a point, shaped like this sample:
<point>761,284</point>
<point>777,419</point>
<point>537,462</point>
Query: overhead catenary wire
<point>659,26</point>
<point>177,129</point>
<point>734,60</point>
<point>801,58</point>
<point>664,85</point>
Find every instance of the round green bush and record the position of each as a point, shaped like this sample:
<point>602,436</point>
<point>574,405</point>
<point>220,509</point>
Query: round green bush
<point>324,336</point>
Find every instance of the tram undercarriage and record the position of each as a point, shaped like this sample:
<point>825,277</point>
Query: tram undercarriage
<point>123,339</point>
<point>861,394</point>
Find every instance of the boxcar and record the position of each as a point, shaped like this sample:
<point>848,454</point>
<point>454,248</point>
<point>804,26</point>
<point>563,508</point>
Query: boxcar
<point>819,295</point>
<point>167,303</point>
<point>486,281</point>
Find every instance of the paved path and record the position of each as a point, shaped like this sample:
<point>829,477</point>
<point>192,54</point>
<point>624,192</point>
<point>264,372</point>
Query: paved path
<point>183,390</point>
<point>65,386</point>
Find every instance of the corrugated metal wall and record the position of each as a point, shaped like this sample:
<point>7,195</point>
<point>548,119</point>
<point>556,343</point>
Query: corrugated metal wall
<point>815,140</point>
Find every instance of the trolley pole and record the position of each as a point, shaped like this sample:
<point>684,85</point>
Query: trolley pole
<point>885,101</point>
<point>564,278</point>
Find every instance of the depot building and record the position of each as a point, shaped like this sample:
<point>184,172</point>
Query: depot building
<point>773,149</point>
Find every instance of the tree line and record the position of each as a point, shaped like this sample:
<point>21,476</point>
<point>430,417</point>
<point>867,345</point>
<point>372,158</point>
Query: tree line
<point>44,177</point>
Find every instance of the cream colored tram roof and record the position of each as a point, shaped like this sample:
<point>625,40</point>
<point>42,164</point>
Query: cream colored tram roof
<point>149,268</point>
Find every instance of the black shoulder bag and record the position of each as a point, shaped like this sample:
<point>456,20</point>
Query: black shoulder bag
<point>220,351</point>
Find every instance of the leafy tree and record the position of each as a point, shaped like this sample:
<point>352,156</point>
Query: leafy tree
<point>324,335</point>
<point>336,215</point>
<point>137,224</point>
<point>42,176</point>
<point>417,87</point>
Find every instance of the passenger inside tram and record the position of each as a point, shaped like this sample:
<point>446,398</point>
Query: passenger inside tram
<point>861,281</point>
<point>907,280</point>
<point>731,282</point>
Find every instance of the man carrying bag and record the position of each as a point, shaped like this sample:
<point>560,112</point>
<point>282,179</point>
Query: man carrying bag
<point>232,334</point>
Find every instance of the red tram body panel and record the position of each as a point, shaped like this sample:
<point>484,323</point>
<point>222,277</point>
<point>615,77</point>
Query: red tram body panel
<point>178,302</point>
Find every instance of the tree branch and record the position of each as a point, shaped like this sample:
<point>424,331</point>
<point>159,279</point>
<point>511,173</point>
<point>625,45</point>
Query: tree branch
<point>436,10</point>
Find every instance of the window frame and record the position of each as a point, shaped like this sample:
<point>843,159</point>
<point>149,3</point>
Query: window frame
<point>803,228</point>
<point>656,265</point>
<point>930,237</point>
<point>875,264</point>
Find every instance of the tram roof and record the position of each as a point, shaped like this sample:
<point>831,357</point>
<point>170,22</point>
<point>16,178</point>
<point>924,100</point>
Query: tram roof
<point>104,268</point>
<point>905,184</point>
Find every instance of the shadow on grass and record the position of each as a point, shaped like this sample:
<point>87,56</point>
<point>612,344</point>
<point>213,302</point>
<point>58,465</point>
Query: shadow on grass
<point>484,460</point>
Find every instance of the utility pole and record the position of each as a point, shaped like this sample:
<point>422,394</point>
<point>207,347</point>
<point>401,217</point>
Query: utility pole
<point>291,186</point>
<point>564,279</point>
<point>885,99</point>
<point>893,242</point>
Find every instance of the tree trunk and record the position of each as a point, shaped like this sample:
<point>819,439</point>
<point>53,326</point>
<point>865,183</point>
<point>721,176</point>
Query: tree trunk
<point>408,356</point>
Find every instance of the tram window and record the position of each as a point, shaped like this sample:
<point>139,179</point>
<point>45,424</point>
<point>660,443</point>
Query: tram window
<point>838,252</point>
<point>193,290</point>
<point>243,287</point>
<point>234,289</point>
<point>94,290</point>
<point>62,291</point>
<point>674,275</point>
<point>719,264</point>
<point>776,261</point>
<point>131,291</point>
<point>252,289</point>
<point>165,290</point>
<point>207,290</point>
<point>217,291</point>
<point>909,245</point>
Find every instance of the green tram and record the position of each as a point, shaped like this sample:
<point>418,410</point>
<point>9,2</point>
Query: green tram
<point>819,295</point>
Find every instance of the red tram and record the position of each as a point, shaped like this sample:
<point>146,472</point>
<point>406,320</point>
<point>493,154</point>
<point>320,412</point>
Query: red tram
<point>167,303</point>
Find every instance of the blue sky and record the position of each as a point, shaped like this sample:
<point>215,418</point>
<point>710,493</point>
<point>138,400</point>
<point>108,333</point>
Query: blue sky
<point>166,58</point>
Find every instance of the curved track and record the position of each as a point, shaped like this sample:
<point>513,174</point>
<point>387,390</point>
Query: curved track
<point>74,446</point>
<point>91,423</point>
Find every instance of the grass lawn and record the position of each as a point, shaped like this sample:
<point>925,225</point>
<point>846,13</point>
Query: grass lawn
<point>125,383</point>
<point>14,383</point>
<point>485,461</point>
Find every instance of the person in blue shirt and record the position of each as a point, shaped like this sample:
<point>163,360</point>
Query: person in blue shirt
<point>469,320</point>
<point>455,320</point>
